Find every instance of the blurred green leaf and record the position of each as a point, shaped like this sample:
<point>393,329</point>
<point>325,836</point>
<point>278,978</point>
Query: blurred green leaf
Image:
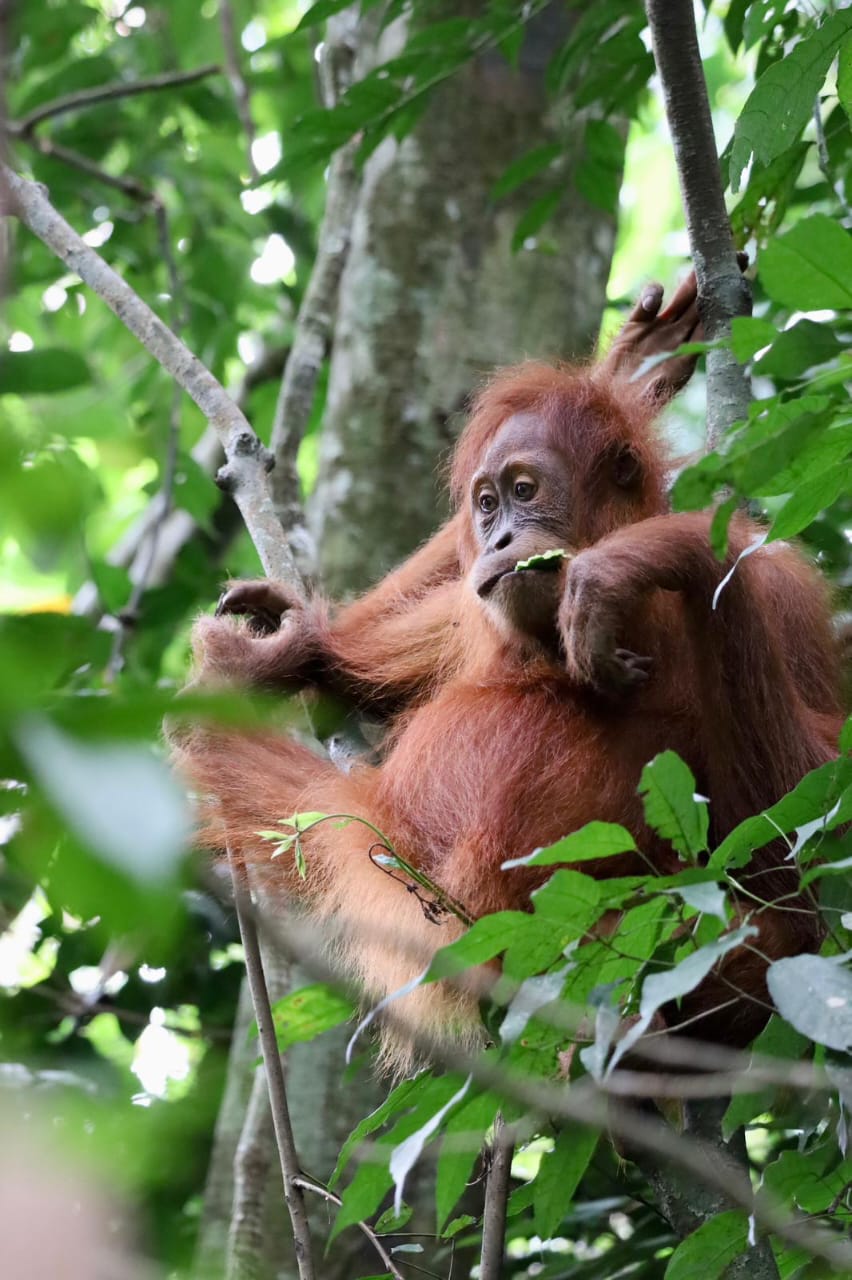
<point>464,1135</point>
<point>121,801</point>
<point>307,1013</point>
<point>598,175</point>
<point>527,166</point>
<point>42,371</point>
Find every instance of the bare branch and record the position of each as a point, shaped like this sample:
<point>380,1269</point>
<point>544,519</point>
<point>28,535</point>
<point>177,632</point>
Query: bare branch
<point>275,1082</point>
<point>722,289</point>
<point>329,1196</point>
<point>85,98</point>
<point>496,1200</point>
<point>247,459</point>
<point>76,160</point>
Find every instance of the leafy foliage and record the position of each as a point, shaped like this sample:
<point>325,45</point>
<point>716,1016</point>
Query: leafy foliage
<point>108,937</point>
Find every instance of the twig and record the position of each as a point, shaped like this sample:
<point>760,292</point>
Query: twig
<point>76,160</point>
<point>237,80</point>
<point>246,458</point>
<point>287,1154</point>
<point>307,1185</point>
<point>722,289</point>
<point>84,98</point>
<point>496,1200</point>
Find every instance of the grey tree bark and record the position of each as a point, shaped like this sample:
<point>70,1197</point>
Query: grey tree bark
<point>433,297</point>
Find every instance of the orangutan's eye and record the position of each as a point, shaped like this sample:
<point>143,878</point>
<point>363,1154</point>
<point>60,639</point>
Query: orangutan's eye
<point>524,490</point>
<point>487,503</point>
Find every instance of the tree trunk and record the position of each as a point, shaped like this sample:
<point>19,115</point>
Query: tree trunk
<point>433,297</point>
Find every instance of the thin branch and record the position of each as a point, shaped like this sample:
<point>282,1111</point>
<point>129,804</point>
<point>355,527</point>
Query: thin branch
<point>76,160</point>
<point>496,1200</point>
<point>722,289</point>
<point>247,459</point>
<point>237,80</point>
<point>85,98</point>
<point>307,1185</point>
<point>287,1154</point>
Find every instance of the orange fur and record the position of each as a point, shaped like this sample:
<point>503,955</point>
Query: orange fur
<point>499,746</point>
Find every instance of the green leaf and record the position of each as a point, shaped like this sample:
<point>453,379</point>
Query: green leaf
<point>781,103</point>
<point>48,369</point>
<point>389,1222</point>
<point>524,168</point>
<point>749,335</point>
<point>814,994</point>
<point>396,1101</point>
<point>806,1178</point>
<point>483,941</point>
<point>544,560</point>
<point>811,497</point>
<point>405,1156</point>
<point>122,801</point>
<point>599,173</point>
<point>563,911</point>
<point>708,1250</point>
<point>777,1040</point>
<point>810,800</point>
<point>559,1176</point>
<point>595,840</point>
<point>458,1224</point>
<point>671,805</point>
<point>810,267</point>
<point>307,1013</point>
<point>533,995</point>
<point>707,898</point>
<point>799,349</point>
<point>535,217</point>
<point>771,189</point>
<point>464,1138</point>
<point>320,11</point>
<point>733,23</point>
